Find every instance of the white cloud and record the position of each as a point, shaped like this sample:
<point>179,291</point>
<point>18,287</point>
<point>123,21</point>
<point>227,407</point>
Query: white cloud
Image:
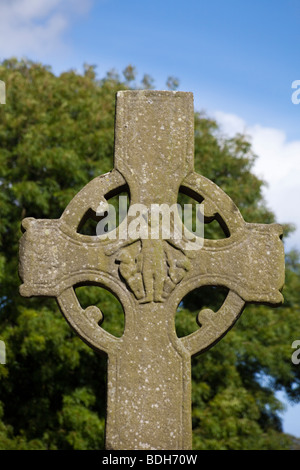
<point>278,164</point>
<point>36,27</point>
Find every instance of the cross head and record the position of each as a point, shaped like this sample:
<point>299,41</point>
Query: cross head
<point>149,366</point>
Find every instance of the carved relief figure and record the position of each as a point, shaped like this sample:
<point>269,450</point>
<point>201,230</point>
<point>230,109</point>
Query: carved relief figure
<point>151,268</point>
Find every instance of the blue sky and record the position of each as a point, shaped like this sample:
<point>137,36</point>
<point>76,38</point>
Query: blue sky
<point>238,58</point>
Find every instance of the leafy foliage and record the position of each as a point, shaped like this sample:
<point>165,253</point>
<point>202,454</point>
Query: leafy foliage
<point>56,134</point>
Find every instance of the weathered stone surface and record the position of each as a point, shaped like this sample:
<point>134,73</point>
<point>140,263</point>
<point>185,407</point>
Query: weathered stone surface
<point>149,371</point>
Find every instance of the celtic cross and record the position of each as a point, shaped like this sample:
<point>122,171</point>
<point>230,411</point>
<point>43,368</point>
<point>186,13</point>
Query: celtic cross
<point>149,367</point>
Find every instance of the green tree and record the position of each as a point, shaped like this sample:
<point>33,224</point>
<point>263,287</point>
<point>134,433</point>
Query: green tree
<point>56,134</point>
<point>147,82</point>
<point>172,83</point>
<point>129,74</point>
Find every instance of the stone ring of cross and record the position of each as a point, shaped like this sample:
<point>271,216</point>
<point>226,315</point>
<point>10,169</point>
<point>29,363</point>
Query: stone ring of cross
<point>148,364</point>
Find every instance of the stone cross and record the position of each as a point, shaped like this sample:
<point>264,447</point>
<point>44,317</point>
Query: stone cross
<point>149,367</point>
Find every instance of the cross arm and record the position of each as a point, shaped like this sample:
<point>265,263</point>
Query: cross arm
<point>52,260</point>
<point>250,266</point>
<point>250,263</point>
<point>54,257</point>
